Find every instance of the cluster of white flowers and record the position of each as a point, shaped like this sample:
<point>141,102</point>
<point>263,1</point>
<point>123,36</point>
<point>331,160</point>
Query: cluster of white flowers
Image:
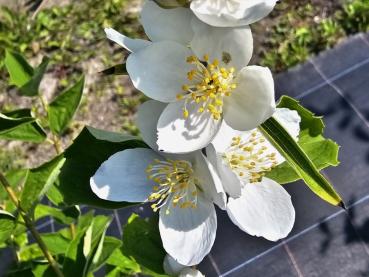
<point>201,126</point>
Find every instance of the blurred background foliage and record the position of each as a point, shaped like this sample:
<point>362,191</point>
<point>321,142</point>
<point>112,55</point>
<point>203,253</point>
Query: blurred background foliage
<point>71,34</point>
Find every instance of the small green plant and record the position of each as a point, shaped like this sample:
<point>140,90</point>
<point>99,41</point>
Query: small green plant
<point>301,33</point>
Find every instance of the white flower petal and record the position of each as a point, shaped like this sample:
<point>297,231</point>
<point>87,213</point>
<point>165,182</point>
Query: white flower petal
<point>252,102</point>
<point>231,13</point>
<point>209,179</point>
<point>132,45</point>
<point>290,120</point>
<point>190,272</point>
<point>167,24</point>
<point>264,210</point>
<point>123,178</point>
<point>230,181</point>
<point>160,70</point>
<point>179,135</point>
<point>188,234</point>
<point>147,120</point>
<point>223,139</point>
<point>171,267</point>
<point>231,46</point>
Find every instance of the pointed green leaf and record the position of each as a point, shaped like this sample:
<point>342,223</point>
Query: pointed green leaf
<point>63,107</point>
<point>20,125</point>
<point>20,72</point>
<point>23,75</point>
<point>299,160</point>
<point>63,216</point>
<point>321,151</point>
<point>142,242</point>
<point>88,237</point>
<point>38,181</point>
<point>105,250</point>
<point>89,150</point>
<point>32,86</point>
<point>125,264</point>
<point>7,225</point>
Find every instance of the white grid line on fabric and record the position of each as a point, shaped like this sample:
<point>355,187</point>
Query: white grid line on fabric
<point>117,219</point>
<point>308,229</point>
<point>332,79</point>
<point>364,39</point>
<point>340,93</point>
<point>214,264</point>
<point>292,259</point>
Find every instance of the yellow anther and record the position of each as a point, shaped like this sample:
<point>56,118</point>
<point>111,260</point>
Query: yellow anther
<point>179,96</point>
<point>185,113</point>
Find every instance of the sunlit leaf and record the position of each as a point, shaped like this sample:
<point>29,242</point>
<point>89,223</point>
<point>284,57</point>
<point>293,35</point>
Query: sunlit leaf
<point>62,109</point>
<point>300,162</point>
<point>20,125</point>
<point>23,75</point>
<point>7,225</point>
<point>321,151</point>
<point>38,181</point>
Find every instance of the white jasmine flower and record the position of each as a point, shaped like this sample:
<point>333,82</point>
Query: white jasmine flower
<point>203,85</point>
<point>257,205</point>
<point>182,188</point>
<point>231,13</point>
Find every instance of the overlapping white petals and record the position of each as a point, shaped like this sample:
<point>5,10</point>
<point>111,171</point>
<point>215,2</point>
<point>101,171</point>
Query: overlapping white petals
<point>148,115</point>
<point>231,46</point>
<point>230,181</point>
<point>166,24</point>
<point>206,173</point>
<point>231,13</point>
<point>132,45</point>
<point>177,134</point>
<point>159,70</point>
<point>264,209</point>
<point>122,177</point>
<point>188,234</point>
<point>252,102</point>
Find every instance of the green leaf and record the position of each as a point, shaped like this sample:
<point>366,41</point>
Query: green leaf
<point>31,88</point>
<point>142,242</point>
<point>7,225</point>
<point>65,216</point>
<point>20,71</point>
<point>62,109</point>
<point>299,160</point>
<point>108,246</point>
<point>20,125</point>
<point>23,75</point>
<point>77,258</point>
<point>38,181</point>
<point>125,264</point>
<point>119,69</point>
<point>55,242</point>
<point>322,152</point>
<point>89,150</point>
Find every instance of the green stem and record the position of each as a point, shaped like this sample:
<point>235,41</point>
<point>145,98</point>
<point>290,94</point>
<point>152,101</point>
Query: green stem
<point>30,225</point>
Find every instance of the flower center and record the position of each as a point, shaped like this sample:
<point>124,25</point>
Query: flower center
<point>208,85</point>
<point>175,183</point>
<point>250,159</point>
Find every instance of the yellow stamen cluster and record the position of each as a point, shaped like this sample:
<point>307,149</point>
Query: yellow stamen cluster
<point>208,85</point>
<point>175,183</point>
<point>250,159</point>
